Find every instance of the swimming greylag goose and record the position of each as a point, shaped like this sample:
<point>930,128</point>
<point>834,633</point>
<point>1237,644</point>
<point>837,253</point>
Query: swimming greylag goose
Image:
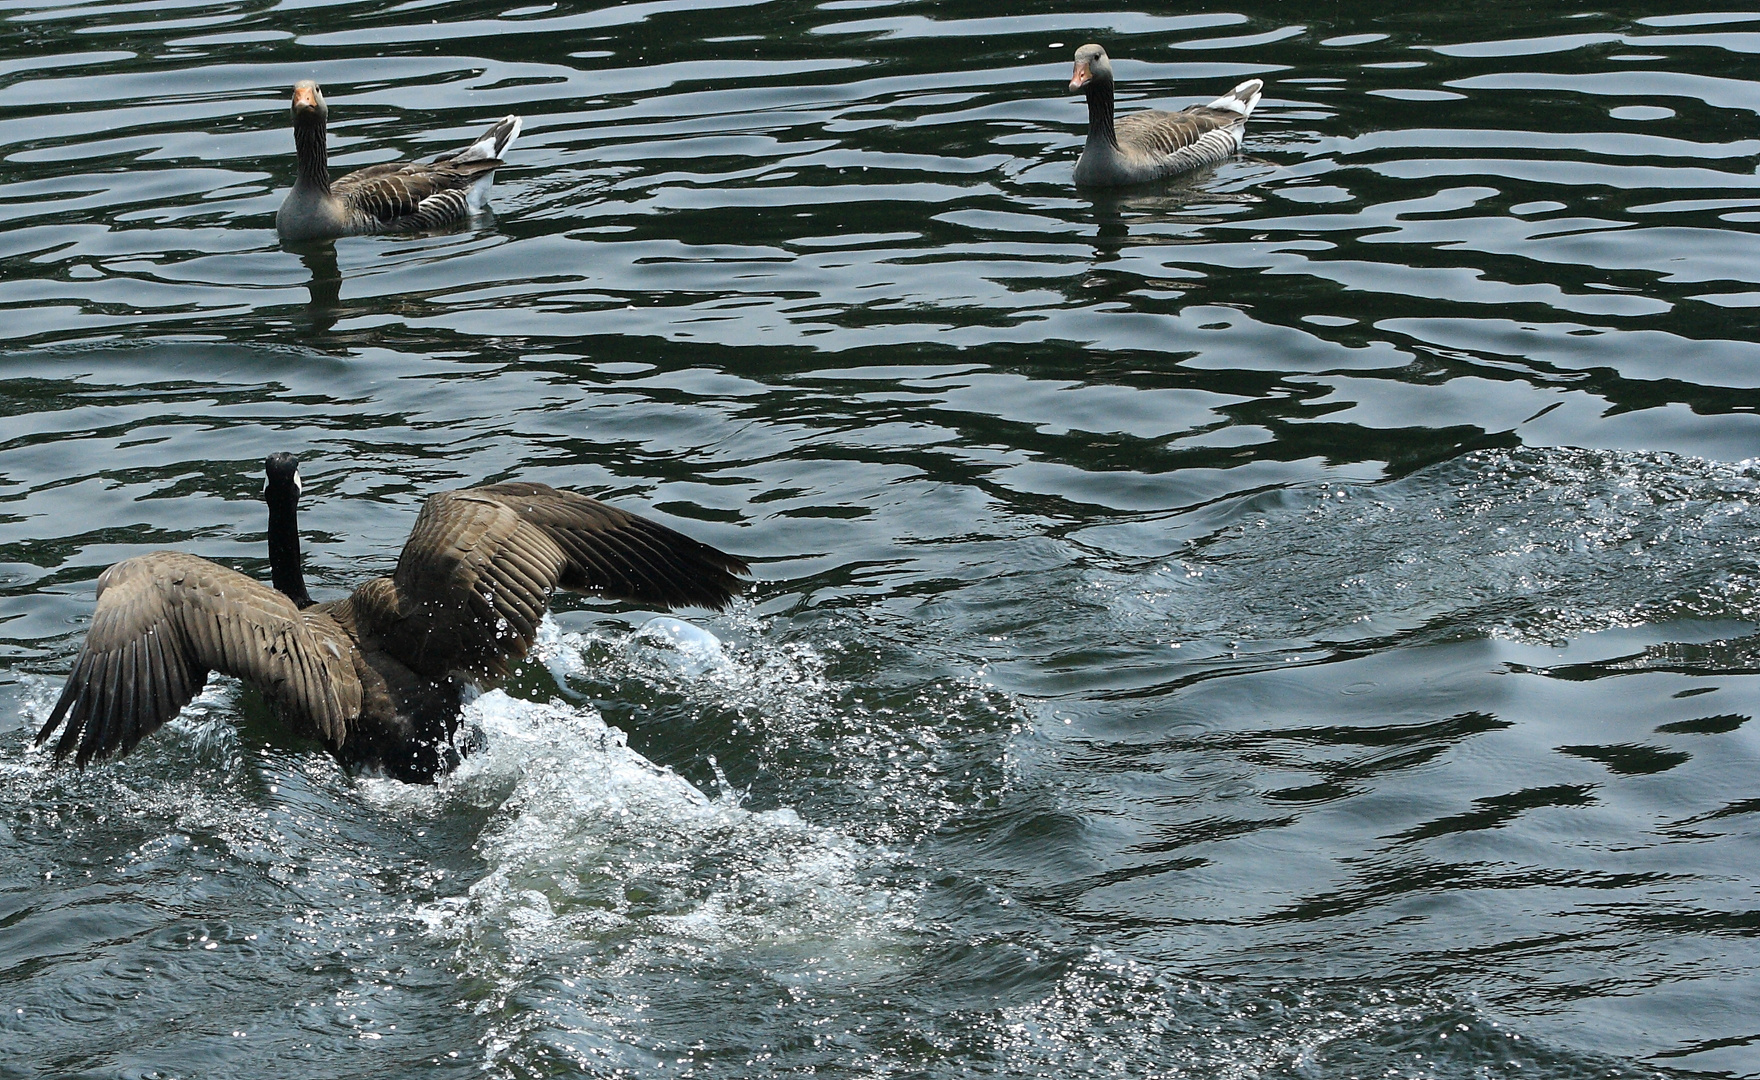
<point>377,676</point>
<point>402,196</point>
<point>1152,144</point>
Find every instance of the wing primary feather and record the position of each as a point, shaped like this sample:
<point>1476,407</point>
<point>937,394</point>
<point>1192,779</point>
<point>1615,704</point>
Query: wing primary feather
<point>180,673</point>
<point>110,719</point>
<point>146,706</point>
<point>614,547</point>
<point>92,709</point>
<point>633,570</point>
<point>659,559</point>
<point>76,720</point>
<point>99,722</point>
<point>199,633</point>
<point>69,696</point>
<point>165,703</point>
<point>128,717</point>
<point>152,705</point>
<point>660,554</point>
<point>85,710</point>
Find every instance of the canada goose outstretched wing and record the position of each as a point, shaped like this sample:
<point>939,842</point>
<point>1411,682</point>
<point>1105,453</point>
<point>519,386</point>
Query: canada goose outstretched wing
<point>380,674</point>
<point>617,554</point>
<point>164,621</point>
<point>479,568</point>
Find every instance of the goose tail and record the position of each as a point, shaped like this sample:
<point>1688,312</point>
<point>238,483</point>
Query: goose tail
<point>1241,100</point>
<point>491,144</point>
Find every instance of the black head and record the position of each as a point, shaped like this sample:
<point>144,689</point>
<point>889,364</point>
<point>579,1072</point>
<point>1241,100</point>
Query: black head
<point>282,477</point>
<point>1092,67</point>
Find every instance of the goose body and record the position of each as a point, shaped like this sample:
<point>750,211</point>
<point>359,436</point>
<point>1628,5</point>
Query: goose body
<point>377,675</point>
<point>1152,144</point>
<point>404,196</point>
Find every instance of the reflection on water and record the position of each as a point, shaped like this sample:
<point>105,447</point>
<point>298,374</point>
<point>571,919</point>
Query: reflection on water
<point>319,257</point>
<point>1292,620</point>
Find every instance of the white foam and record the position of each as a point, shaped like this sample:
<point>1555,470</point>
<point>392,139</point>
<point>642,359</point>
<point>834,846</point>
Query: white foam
<point>778,689</point>
<point>593,837</point>
<point>693,650</point>
<point>682,648</point>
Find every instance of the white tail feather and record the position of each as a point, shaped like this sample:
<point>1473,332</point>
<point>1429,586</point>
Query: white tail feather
<point>477,195</point>
<point>1242,99</point>
<point>492,143</point>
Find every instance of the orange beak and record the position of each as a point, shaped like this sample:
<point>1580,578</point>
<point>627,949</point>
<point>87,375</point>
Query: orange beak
<point>1081,77</point>
<point>304,97</point>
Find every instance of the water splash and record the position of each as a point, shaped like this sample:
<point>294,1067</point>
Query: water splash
<point>1534,545</point>
<point>603,865</point>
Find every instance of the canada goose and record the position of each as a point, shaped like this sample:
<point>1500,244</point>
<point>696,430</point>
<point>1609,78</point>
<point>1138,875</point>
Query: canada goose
<point>1152,144</point>
<point>401,196</point>
<point>377,676</point>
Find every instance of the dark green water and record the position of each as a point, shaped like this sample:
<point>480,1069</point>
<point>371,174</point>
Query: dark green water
<point>1296,621</point>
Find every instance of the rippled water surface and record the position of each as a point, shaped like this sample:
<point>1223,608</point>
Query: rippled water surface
<point>1298,620</point>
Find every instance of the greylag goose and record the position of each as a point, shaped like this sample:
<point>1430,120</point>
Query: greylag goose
<point>1153,144</point>
<point>377,676</point>
<point>401,196</point>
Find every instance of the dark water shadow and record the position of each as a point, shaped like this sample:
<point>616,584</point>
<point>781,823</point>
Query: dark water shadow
<point>325,286</point>
<point>1172,201</point>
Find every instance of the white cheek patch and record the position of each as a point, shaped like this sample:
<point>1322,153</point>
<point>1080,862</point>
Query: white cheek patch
<point>299,488</point>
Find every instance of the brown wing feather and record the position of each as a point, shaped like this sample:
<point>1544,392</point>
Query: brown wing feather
<point>1156,132</point>
<point>621,555</point>
<point>392,191</point>
<point>479,568</point>
<point>167,619</point>
<point>469,589</point>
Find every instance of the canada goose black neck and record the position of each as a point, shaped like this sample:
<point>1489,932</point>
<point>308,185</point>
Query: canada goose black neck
<point>281,492</point>
<point>310,136</point>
